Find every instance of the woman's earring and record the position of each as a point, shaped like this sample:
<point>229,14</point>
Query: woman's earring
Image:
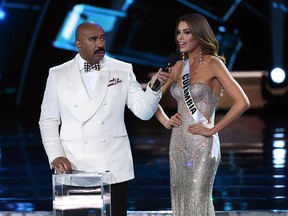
<point>183,57</point>
<point>201,55</point>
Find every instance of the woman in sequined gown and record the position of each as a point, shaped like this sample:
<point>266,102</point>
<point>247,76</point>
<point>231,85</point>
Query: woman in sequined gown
<point>194,146</point>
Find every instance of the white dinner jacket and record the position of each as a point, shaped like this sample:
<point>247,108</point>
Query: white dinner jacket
<point>92,133</point>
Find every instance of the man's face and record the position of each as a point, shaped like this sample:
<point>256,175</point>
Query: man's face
<point>91,43</point>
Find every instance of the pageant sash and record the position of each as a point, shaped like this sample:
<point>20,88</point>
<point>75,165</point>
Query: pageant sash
<point>199,118</point>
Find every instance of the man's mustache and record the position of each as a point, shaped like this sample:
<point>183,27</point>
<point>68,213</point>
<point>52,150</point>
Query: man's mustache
<point>101,49</point>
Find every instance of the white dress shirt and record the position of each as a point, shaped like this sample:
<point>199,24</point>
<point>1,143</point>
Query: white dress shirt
<point>89,78</point>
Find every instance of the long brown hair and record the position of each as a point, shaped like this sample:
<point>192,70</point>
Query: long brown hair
<point>202,32</point>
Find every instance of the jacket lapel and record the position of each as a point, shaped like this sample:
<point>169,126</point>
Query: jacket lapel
<point>77,82</point>
<point>98,94</point>
<point>86,106</point>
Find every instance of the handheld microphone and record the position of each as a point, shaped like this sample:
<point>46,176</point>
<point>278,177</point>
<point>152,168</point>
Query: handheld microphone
<point>172,59</point>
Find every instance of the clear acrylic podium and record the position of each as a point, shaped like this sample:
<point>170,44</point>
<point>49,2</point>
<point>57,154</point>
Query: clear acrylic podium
<point>81,194</point>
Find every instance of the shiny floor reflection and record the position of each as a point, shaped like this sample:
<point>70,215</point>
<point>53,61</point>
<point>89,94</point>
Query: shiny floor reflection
<point>251,176</point>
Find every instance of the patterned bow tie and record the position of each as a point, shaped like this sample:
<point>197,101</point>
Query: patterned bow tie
<point>89,66</point>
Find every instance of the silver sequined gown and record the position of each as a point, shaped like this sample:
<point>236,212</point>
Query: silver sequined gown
<point>192,168</point>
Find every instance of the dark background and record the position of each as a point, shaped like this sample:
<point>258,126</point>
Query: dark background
<point>250,176</point>
<point>30,27</point>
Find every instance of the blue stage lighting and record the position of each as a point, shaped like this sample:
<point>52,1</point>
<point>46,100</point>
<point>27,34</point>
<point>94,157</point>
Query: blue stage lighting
<point>2,14</point>
<point>275,86</point>
<point>82,12</point>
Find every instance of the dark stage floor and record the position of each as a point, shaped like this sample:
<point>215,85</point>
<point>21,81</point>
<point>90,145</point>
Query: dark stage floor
<point>252,175</point>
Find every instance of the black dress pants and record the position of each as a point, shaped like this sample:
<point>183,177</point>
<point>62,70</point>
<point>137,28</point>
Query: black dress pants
<point>119,194</point>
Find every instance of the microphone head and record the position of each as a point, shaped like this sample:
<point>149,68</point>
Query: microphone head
<point>173,58</point>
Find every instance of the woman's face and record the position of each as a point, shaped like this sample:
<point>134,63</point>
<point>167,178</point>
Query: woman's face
<point>185,39</point>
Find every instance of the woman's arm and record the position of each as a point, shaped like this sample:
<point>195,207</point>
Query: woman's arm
<point>175,120</point>
<point>167,122</point>
<point>234,90</point>
<point>240,100</point>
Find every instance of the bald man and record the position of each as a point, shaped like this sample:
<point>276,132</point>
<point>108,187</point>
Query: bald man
<point>82,113</point>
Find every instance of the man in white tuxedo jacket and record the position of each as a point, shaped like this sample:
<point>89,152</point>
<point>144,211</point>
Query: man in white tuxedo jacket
<point>82,113</point>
